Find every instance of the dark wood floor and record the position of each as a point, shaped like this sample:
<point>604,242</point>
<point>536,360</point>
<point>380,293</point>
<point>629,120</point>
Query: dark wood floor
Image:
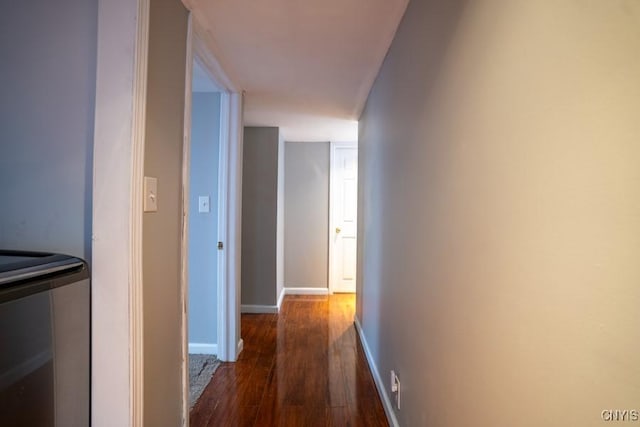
<point>302,367</point>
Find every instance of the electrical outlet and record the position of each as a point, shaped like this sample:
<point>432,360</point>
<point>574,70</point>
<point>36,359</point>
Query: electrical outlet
<point>395,388</point>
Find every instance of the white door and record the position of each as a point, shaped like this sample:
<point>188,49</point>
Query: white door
<point>343,224</point>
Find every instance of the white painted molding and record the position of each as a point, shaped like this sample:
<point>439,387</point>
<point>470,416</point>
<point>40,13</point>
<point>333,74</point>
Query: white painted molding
<point>230,196</point>
<point>208,55</point>
<point>291,290</point>
<point>184,242</point>
<point>189,4</point>
<point>380,385</point>
<point>117,358</point>
<point>224,316</point>
<point>280,299</point>
<point>240,346</point>
<point>258,309</point>
<point>203,348</point>
<point>136,306</point>
<point>234,226</point>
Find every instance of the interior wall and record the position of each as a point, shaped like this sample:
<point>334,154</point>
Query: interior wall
<point>280,218</point>
<point>203,226</point>
<point>499,155</point>
<point>162,229</point>
<point>259,216</point>
<point>48,78</point>
<point>306,214</point>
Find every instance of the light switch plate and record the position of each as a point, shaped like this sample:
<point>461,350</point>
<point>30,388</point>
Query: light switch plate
<point>203,204</point>
<point>150,194</point>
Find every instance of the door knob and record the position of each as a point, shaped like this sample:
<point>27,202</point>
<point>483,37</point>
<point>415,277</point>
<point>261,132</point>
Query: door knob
<point>338,230</point>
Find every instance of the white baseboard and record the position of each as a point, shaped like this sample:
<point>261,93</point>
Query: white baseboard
<point>258,309</point>
<point>268,309</point>
<point>290,290</point>
<point>343,291</point>
<point>202,348</point>
<point>240,346</point>
<point>382,391</point>
<point>280,298</point>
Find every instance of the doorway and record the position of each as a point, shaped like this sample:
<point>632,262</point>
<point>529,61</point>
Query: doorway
<point>204,257</point>
<point>210,246</point>
<point>343,215</point>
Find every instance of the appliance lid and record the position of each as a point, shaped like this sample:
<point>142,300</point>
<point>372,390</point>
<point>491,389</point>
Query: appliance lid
<point>21,265</point>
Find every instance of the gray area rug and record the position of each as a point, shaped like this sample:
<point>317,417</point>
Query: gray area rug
<point>201,369</point>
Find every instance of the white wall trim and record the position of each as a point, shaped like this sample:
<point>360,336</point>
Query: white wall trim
<point>240,346</point>
<point>223,223</point>
<point>258,309</point>
<point>118,167</point>
<point>230,198</point>
<point>222,226</point>
<point>184,242</point>
<point>280,299</point>
<point>136,286</point>
<point>203,348</point>
<point>207,55</point>
<point>380,385</point>
<point>234,228</point>
<point>229,205</point>
<point>301,290</point>
<point>212,58</point>
<point>332,203</point>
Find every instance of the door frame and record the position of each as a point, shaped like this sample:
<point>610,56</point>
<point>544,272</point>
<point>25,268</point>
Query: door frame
<point>332,205</point>
<point>229,343</point>
<point>117,381</point>
<point>117,377</point>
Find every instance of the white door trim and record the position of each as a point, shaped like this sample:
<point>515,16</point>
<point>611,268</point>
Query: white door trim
<point>229,206</point>
<point>184,237</point>
<point>229,192</point>
<point>118,168</point>
<point>137,196</point>
<point>332,203</point>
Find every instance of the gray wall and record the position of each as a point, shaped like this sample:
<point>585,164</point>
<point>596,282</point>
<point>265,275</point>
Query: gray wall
<point>306,214</point>
<point>259,215</point>
<point>500,184</point>
<point>203,227</point>
<point>162,229</point>
<point>280,218</point>
<point>47,76</point>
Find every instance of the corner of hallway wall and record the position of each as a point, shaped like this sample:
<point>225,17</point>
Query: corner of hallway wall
<point>162,229</point>
<point>260,182</point>
<point>500,229</point>
<point>361,230</point>
<point>280,220</point>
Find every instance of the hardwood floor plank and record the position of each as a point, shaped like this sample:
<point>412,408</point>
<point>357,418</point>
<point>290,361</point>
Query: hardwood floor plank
<point>301,367</point>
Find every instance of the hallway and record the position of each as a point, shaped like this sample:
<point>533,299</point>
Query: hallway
<point>302,367</point>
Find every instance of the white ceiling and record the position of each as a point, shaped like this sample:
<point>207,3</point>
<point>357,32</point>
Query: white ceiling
<point>306,65</point>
